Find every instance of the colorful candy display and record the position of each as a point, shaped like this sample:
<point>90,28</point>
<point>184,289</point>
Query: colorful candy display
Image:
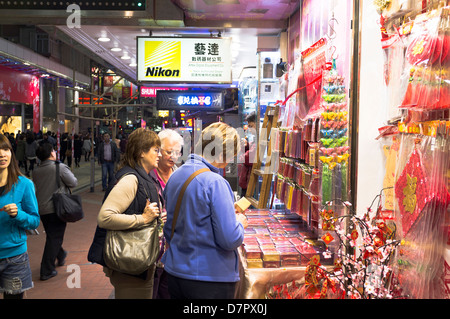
<point>276,239</point>
<point>334,149</point>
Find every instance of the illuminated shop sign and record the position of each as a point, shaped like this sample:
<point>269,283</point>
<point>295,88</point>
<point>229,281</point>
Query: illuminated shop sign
<point>197,100</point>
<point>151,91</point>
<point>184,60</point>
<point>188,100</point>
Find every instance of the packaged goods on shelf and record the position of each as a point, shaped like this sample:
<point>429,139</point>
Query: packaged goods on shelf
<point>276,238</point>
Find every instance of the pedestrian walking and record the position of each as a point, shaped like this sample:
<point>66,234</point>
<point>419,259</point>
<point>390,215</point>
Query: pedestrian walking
<point>20,151</point>
<point>77,147</point>
<point>30,152</point>
<point>87,147</point>
<point>45,181</point>
<point>107,156</point>
<point>18,213</point>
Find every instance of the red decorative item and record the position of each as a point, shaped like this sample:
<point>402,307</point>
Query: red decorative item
<point>445,48</point>
<point>327,238</point>
<point>411,191</point>
<point>421,49</point>
<point>442,47</point>
<point>354,235</point>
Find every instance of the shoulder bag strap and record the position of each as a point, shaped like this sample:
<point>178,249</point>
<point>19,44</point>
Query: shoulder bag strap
<point>180,197</point>
<point>57,174</point>
<point>58,178</point>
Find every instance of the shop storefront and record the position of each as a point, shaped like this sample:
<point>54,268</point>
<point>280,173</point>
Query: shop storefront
<point>351,175</point>
<point>362,152</point>
<point>19,98</point>
<point>404,133</point>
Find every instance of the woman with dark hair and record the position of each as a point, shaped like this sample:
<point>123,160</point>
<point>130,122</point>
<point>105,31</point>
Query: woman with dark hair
<point>45,181</point>
<point>18,213</point>
<point>132,202</point>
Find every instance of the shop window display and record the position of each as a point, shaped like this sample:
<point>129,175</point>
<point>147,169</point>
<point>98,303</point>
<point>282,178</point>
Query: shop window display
<point>312,143</point>
<point>417,148</point>
<point>335,251</point>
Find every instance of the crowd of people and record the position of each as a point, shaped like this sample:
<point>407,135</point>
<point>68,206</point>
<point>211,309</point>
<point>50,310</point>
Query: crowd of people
<point>142,177</point>
<point>25,144</point>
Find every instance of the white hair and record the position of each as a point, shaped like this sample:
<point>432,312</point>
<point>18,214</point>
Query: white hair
<point>171,135</point>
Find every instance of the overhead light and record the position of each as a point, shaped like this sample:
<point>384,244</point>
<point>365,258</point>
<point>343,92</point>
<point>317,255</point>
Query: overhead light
<point>125,57</point>
<point>116,49</point>
<point>133,64</point>
<point>104,39</point>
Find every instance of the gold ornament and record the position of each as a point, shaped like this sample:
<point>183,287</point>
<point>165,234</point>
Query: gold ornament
<point>418,48</point>
<point>410,199</point>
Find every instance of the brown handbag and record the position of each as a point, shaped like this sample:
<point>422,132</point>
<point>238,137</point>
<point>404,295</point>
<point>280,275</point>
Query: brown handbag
<point>132,251</point>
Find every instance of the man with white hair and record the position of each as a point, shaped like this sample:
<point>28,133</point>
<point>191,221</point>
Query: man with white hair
<point>171,144</point>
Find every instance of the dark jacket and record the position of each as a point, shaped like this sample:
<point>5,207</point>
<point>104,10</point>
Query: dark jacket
<point>77,145</point>
<point>146,189</point>
<point>115,152</point>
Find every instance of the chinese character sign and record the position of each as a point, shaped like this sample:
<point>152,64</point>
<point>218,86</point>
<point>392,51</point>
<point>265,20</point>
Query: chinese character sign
<point>199,100</point>
<point>184,60</point>
<point>194,100</point>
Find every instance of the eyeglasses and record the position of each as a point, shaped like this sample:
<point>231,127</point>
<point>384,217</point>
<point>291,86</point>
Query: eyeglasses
<point>172,153</point>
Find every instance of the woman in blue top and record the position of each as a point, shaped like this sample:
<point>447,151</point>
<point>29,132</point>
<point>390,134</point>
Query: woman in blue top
<point>18,212</point>
<point>202,258</point>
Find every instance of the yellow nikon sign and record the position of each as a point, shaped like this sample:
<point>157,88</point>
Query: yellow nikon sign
<point>183,60</point>
<point>162,59</point>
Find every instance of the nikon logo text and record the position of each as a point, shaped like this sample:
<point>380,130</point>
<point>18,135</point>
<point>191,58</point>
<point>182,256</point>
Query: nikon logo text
<point>162,60</point>
<point>159,71</point>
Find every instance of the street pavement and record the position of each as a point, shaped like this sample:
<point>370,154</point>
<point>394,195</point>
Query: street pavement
<point>78,278</point>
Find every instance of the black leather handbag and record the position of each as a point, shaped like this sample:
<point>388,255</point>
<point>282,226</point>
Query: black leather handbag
<point>68,206</point>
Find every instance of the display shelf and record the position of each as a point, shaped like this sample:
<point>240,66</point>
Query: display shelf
<point>276,250</point>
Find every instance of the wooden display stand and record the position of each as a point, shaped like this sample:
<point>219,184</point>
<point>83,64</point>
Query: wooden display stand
<point>270,121</point>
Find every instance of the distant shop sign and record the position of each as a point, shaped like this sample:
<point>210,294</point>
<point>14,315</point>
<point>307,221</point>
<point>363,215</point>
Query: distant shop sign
<point>184,60</point>
<point>190,100</point>
<point>151,91</point>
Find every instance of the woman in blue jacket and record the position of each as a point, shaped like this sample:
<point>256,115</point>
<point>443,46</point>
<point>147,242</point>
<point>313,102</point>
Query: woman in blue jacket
<point>202,259</point>
<point>18,213</point>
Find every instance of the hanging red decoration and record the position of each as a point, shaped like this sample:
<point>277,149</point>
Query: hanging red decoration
<point>354,234</point>
<point>411,191</point>
<point>327,238</point>
<point>423,49</point>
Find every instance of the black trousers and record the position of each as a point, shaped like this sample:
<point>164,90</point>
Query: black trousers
<point>180,288</point>
<point>54,230</point>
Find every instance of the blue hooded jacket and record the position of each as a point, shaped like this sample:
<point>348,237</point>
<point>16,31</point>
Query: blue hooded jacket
<point>207,234</point>
<point>13,239</point>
